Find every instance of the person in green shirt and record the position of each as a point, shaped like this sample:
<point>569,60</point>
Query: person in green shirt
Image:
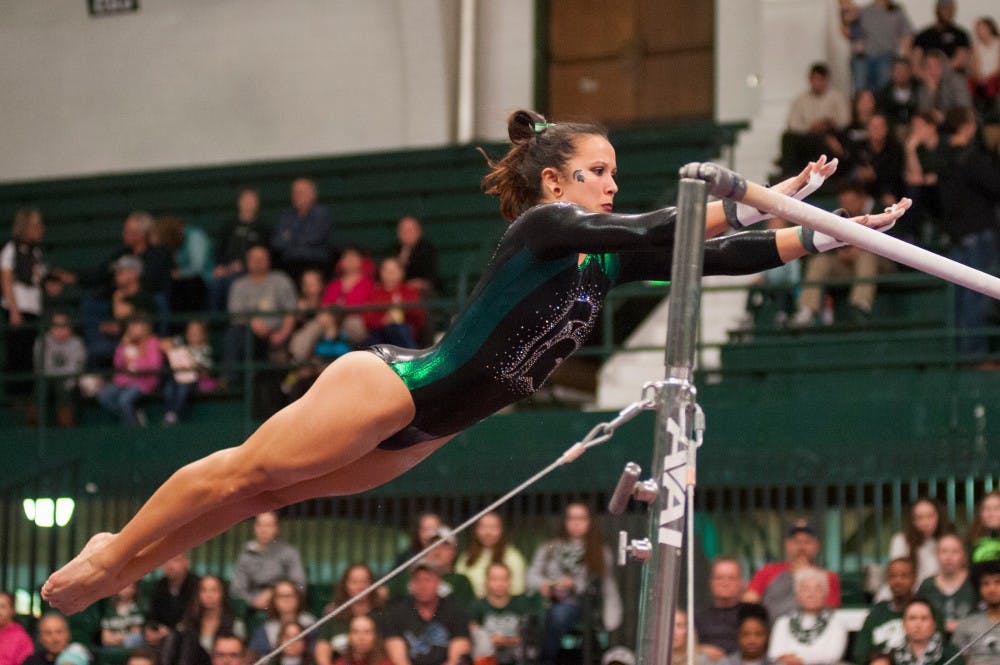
<point>508,624</point>
<point>949,592</point>
<point>883,627</point>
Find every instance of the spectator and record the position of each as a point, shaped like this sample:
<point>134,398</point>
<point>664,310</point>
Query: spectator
<point>814,119</point>
<point>811,634</point>
<point>264,561</point>
<point>353,285</point>
<point>301,238</point>
<point>15,643</point>
<point>228,650</point>
<point>421,534</point>
<point>157,264</point>
<point>897,99</point>
<point>190,359</point>
<point>302,343</point>
<point>454,586</point>
<point>394,325</point>
<point>424,628</point>
<point>173,592</point>
<point>946,36</point>
<point>329,343</point>
<point>969,182</point>
<point>488,546</point>
<point>53,638</point>
<point>856,131</point>
<point>207,617</point>
<point>985,71</point>
<point>127,300</point>
<point>942,89</point>
<point>137,364</point>
<point>718,623</point>
<point>845,263</point>
<point>239,235</point>
<point>505,621</point>
<point>22,268</point>
<point>773,586</point>
<point>334,634</point>
<point>751,637</point>
<point>296,653</point>
<point>883,627</point>
<point>287,605</point>
<point>122,620</point>
<point>924,642</point>
<point>679,647</point>
<point>364,647</point>
<point>918,540</point>
<point>923,162</point>
<point>573,573</point>
<point>60,356</point>
<point>884,31</point>
<point>267,299</point>
<point>877,162</point>
<point>142,656</point>
<point>417,255</point>
<point>984,532</point>
<point>194,262</point>
<point>987,580</point>
<point>949,592</point>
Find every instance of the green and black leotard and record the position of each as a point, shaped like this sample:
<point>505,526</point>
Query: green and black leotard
<point>538,302</point>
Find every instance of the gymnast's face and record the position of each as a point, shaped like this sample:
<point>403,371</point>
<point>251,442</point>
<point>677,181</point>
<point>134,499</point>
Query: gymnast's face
<point>588,177</point>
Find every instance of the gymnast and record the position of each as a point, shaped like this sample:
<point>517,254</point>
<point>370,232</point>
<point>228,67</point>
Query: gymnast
<point>374,414</point>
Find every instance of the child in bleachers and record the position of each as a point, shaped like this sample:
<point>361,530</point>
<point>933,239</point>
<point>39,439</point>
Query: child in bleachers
<point>122,620</point>
<point>364,645</point>
<point>61,356</point>
<point>394,325</point>
<point>190,359</point>
<point>505,625</point>
<point>330,343</point>
<point>752,637</point>
<point>137,363</point>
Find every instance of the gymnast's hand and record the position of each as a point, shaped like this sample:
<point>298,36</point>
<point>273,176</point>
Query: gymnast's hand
<point>817,241</point>
<point>822,170</point>
<point>805,183</point>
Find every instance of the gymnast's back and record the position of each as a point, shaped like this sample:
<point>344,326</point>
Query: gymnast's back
<point>536,304</point>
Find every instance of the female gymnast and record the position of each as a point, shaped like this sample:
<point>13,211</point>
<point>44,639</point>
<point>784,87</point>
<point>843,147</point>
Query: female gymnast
<point>374,414</point>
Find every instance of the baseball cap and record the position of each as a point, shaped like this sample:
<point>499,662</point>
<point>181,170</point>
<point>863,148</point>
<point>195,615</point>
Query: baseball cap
<point>800,526</point>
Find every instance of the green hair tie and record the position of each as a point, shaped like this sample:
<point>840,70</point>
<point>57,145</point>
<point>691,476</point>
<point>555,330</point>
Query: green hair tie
<point>540,127</point>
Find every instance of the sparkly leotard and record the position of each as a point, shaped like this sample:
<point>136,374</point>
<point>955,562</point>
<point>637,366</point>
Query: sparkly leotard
<point>537,303</point>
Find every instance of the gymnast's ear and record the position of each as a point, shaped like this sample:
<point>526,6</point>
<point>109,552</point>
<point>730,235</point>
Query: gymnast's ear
<point>552,184</point>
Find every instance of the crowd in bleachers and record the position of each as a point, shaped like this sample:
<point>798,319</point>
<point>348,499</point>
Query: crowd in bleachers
<point>283,295</point>
<point>922,121</point>
<point>486,603</point>
<point>449,606</point>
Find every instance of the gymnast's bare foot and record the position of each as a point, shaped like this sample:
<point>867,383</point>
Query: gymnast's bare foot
<point>83,580</point>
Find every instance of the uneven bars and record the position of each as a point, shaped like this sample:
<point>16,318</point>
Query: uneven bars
<point>727,184</point>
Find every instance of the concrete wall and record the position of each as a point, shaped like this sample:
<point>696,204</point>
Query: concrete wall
<point>195,82</point>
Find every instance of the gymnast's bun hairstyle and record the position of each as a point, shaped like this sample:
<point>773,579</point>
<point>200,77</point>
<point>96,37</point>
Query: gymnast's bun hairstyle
<point>535,145</point>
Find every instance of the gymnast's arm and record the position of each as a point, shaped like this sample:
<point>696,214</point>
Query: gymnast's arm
<point>742,253</point>
<point>552,230</point>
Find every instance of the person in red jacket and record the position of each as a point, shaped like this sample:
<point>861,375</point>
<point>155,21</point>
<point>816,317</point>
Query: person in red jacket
<point>394,325</point>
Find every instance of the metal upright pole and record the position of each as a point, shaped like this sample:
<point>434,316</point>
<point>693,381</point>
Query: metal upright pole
<point>675,414</point>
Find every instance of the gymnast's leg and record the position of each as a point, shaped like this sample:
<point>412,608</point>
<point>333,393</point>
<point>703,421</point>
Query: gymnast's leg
<point>376,468</point>
<point>354,405</point>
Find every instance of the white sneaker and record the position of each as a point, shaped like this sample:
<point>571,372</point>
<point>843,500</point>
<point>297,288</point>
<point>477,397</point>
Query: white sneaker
<point>170,418</point>
<point>140,417</point>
